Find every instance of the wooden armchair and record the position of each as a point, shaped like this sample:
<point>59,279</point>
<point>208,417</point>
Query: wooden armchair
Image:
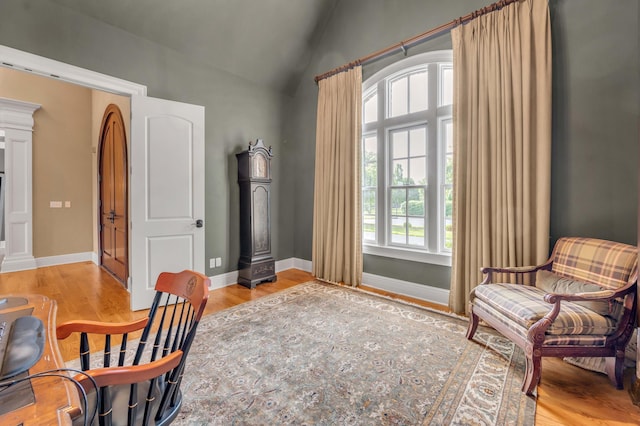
<point>579,303</point>
<point>143,386</point>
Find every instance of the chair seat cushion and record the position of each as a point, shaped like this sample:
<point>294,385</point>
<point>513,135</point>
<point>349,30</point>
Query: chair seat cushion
<point>525,305</point>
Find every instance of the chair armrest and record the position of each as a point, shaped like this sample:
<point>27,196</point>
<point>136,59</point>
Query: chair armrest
<point>64,330</point>
<point>603,295</point>
<point>519,271</point>
<point>588,296</point>
<point>128,374</point>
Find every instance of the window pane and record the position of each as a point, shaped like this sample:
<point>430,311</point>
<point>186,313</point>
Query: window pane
<point>398,202</point>
<point>399,144</point>
<point>371,108</point>
<point>446,86</point>
<point>370,146</point>
<point>447,129</point>
<point>418,91</point>
<point>398,95</point>
<point>418,171</point>
<point>448,218</point>
<point>369,214</point>
<point>370,161</point>
<point>448,135</point>
<point>400,172</point>
<point>416,231</point>
<point>415,198</point>
<point>370,174</point>
<point>398,213</point>
<point>398,230</point>
<point>418,142</point>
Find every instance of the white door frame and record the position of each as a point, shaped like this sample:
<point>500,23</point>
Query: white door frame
<point>24,61</point>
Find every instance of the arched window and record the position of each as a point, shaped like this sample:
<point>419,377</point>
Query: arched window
<point>407,159</point>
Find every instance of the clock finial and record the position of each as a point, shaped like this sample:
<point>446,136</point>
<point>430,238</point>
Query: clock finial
<point>259,143</point>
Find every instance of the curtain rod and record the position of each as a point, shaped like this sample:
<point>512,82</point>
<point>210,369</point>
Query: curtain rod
<point>404,44</point>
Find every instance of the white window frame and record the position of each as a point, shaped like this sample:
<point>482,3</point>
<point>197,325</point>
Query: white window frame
<point>434,117</point>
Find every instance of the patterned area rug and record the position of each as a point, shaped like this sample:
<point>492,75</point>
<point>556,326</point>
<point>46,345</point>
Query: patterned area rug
<point>327,355</point>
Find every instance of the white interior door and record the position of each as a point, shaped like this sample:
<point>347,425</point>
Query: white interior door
<point>167,192</point>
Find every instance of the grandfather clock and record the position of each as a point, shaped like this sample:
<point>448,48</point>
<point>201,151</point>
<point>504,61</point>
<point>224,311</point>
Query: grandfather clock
<point>254,176</point>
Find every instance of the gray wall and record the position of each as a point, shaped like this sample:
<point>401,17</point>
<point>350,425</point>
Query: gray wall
<point>237,111</point>
<point>595,121</point>
<point>595,116</point>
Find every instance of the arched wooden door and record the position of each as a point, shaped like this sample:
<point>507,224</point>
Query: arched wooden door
<point>112,169</point>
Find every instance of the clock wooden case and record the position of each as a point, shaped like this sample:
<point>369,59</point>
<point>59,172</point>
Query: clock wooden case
<point>256,265</point>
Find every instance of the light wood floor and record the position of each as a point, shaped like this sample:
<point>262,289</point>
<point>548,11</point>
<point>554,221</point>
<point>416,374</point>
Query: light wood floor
<point>567,395</point>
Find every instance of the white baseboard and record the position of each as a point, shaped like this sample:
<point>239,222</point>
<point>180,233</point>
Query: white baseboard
<point>407,288</point>
<point>67,258</point>
<point>230,278</point>
<point>18,263</point>
<point>12,265</point>
<point>303,265</point>
<point>223,280</point>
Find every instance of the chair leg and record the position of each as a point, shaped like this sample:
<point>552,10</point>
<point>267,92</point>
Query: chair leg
<point>532,374</point>
<point>473,325</point>
<point>614,366</point>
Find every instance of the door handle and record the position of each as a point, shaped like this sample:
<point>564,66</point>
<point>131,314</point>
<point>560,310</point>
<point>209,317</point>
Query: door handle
<point>112,216</point>
<point>199,223</point>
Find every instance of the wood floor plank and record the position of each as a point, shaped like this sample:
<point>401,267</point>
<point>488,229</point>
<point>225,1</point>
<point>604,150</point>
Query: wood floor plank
<point>567,394</point>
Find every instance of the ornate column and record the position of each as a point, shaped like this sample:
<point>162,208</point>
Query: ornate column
<point>16,118</point>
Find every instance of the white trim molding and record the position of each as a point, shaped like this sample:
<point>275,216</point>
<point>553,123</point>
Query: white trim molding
<point>230,278</point>
<point>16,119</point>
<point>407,288</point>
<point>24,61</point>
<point>64,259</point>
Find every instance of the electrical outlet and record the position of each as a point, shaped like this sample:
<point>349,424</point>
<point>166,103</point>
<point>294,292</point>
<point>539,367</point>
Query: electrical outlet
<point>218,261</point>
<point>212,263</point>
<point>67,204</point>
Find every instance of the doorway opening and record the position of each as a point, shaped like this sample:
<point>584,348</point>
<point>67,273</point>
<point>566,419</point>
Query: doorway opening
<point>113,192</point>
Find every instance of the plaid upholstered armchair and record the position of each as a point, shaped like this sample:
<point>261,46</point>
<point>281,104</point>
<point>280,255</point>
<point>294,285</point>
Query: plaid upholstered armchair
<point>579,303</point>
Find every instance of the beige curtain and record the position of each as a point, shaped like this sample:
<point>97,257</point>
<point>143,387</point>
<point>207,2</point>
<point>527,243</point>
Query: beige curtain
<point>502,143</point>
<point>337,245</point>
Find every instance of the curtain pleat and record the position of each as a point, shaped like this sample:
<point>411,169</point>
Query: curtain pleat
<point>502,143</point>
<point>337,227</point>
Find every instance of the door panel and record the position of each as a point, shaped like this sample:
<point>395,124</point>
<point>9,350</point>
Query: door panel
<point>170,169</point>
<point>167,192</point>
<point>113,195</point>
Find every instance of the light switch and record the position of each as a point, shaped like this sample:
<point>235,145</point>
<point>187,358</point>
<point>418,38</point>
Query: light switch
<point>55,204</point>
<point>67,204</point>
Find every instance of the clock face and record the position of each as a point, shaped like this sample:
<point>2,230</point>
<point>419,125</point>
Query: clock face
<point>260,166</point>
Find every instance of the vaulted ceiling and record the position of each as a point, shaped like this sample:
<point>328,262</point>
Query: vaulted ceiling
<point>268,42</point>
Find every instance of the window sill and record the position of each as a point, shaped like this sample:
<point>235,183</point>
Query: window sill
<point>408,254</point>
